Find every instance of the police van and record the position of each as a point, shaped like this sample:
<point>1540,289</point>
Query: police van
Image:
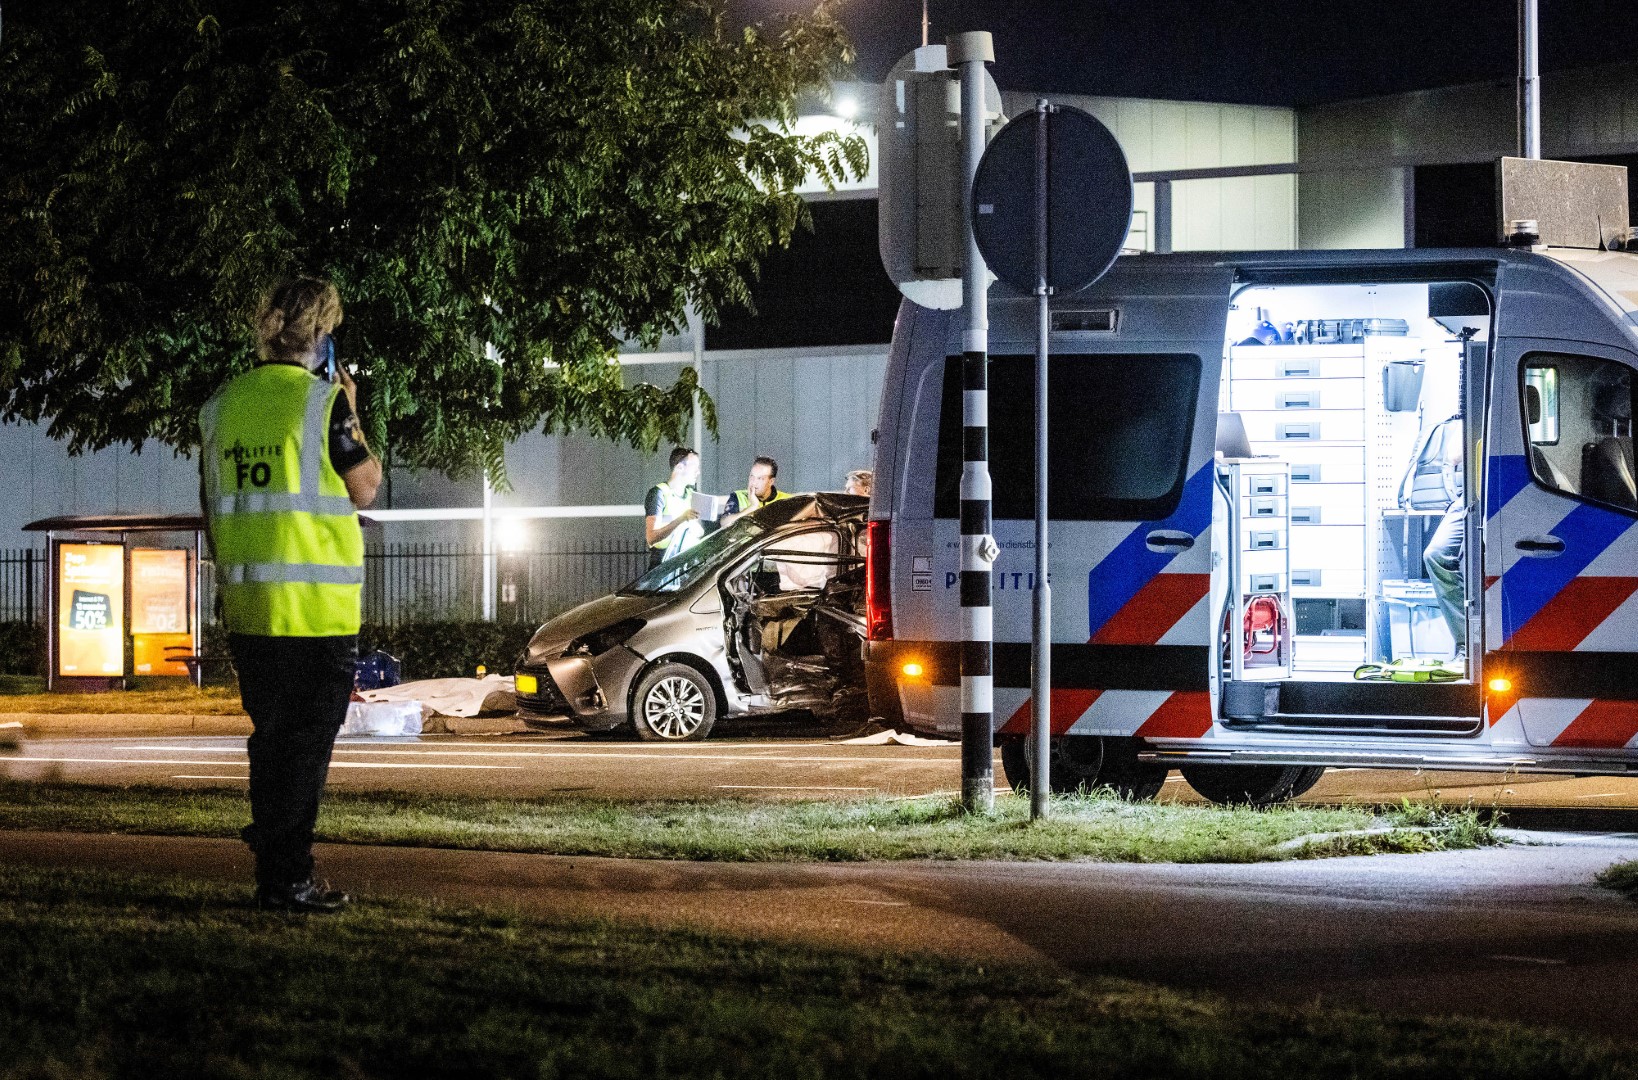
<point>1309,509</point>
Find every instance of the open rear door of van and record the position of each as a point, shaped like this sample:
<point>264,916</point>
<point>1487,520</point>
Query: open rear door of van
<point>1134,384</point>
<point>1561,561</point>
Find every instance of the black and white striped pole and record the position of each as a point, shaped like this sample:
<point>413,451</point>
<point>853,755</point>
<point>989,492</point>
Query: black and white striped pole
<point>968,53</point>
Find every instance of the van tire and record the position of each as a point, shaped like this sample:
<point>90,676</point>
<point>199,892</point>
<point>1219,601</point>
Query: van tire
<point>1250,785</point>
<point>1085,763</point>
<point>673,703</point>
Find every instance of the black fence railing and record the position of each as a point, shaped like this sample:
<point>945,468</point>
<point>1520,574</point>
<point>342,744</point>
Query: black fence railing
<point>22,585</point>
<point>414,582</point>
<point>437,582</point>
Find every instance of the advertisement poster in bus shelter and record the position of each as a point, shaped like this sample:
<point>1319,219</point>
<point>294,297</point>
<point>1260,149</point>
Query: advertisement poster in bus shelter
<point>159,611</point>
<point>91,610</point>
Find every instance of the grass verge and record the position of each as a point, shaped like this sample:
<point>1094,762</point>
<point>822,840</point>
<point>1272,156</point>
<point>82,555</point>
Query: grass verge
<point>1091,827</point>
<point>1621,878</point>
<point>21,694</point>
<point>112,975</point>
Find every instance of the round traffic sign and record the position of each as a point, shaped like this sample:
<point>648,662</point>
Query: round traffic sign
<point>1089,200</point>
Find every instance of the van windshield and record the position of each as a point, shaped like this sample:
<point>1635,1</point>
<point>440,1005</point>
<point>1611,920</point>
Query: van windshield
<point>685,570</point>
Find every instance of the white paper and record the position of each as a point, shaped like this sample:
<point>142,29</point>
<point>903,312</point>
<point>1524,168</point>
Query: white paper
<point>708,507</point>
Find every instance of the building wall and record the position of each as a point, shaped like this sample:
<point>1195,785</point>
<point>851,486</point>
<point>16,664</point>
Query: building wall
<point>1352,208</point>
<point>1584,114</point>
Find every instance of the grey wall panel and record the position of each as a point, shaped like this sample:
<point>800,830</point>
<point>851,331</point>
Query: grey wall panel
<point>1360,208</point>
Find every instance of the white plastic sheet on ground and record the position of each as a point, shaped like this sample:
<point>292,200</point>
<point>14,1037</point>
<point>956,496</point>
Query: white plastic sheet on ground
<point>894,738</point>
<point>385,718</point>
<point>453,697</point>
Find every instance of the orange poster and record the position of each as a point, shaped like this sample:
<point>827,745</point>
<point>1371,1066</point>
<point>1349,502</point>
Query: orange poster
<point>159,611</point>
<point>91,610</point>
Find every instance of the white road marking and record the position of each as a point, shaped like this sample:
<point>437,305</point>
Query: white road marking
<point>878,903</point>
<point>661,753</point>
<point>186,777</point>
<point>333,764</point>
<point>788,787</point>
<point>1544,960</point>
<point>1605,795</point>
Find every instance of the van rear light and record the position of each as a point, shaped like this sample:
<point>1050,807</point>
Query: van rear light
<point>878,572</point>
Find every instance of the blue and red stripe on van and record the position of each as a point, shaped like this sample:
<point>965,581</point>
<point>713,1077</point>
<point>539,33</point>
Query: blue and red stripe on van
<point>1550,609</point>
<point>1134,598</point>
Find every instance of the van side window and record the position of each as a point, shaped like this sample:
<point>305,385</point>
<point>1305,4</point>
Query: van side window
<point>1119,438</point>
<point>1578,425</point>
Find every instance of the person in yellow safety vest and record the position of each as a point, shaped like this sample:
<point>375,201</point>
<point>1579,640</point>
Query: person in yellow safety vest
<point>759,491</point>
<point>670,521</point>
<point>284,469</point>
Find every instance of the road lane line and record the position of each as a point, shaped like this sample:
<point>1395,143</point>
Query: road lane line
<point>843,759</point>
<point>877,903</point>
<point>333,764</point>
<point>788,787</point>
<point>1544,960</point>
<point>184,776</point>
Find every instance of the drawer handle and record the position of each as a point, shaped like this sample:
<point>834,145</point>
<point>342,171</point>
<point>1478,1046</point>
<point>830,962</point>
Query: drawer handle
<point>1308,578</point>
<point>1169,540</point>
<point>1305,515</point>
<point>1305,474</point>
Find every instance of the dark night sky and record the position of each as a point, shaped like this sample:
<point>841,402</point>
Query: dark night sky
<point>1275,52</point>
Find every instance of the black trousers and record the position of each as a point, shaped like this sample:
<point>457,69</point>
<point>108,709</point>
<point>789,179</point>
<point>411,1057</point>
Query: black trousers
<point>296,692</point>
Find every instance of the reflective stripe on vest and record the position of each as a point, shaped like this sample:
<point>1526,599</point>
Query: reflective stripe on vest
<point>744,498</point>
<point>289,551</point>
<point>671,505</point>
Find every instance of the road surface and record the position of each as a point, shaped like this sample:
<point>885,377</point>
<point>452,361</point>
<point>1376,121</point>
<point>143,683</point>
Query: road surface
<point>803,767</point>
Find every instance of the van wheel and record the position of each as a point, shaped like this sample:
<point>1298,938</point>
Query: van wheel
<point>1308,778</point>
<point>673,703</point>
<point>1250,785</point>
<point>1083,763</point>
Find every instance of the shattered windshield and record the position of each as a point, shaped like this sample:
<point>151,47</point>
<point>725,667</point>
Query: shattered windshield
<point>685,570</point>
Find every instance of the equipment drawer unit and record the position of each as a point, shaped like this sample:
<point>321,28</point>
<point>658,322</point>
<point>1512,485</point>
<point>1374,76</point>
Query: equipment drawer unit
<point>1269,538</point>
<point>1309,581</point>
<point>1296,395</point>
<point>1327,547</point>
<point>1288,427</point>
<point>1255,508</point>
<point>1328,504</point>
<point>1319,465</point>
<point>1254,484</point>
<point>1296,362</point>
<point>1262,571</point>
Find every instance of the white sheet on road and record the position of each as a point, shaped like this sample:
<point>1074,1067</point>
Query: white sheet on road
<point>894,738</point>
<point>453,697</point>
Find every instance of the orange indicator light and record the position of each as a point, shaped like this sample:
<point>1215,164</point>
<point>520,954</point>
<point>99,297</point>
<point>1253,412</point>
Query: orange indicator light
<point>913,669</point>
<point>1500,686</point>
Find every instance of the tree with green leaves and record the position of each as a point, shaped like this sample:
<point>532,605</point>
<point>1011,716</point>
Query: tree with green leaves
<point>503,190</point>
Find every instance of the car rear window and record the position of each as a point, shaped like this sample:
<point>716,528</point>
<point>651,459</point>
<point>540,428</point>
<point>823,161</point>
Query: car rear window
<point>1118,443</point>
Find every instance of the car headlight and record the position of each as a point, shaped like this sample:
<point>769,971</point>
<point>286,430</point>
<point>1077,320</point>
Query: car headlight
<point>601,641</point>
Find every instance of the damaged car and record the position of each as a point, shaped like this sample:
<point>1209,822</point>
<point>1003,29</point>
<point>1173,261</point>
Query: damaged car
<point>765,616</point>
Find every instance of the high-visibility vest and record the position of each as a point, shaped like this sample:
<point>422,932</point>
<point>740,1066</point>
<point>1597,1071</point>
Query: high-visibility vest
<point>289,551</point>
<point>672,505</point>
<point>744,497</point>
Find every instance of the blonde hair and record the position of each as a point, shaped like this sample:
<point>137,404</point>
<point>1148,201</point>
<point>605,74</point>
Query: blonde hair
<point>863,479</point>
<point>293,316</point>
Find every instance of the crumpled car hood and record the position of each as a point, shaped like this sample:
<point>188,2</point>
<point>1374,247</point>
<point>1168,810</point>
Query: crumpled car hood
<point>550,640</point>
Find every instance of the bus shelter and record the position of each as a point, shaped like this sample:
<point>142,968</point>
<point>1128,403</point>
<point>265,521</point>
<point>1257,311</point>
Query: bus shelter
<point>123,598</point>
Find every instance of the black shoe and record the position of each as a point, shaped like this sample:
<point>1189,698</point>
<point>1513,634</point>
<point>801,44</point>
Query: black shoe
<point>304,898</point>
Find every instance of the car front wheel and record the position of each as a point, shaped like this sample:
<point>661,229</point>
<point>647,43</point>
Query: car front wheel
<point>673,703</point>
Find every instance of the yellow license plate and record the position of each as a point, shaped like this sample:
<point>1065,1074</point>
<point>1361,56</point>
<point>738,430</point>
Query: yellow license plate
<point>528,684</point>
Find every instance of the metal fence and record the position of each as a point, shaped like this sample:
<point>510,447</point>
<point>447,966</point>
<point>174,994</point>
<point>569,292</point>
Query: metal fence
<point>414,582</point>
<point>434,582</point>
<point>22,585</point>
